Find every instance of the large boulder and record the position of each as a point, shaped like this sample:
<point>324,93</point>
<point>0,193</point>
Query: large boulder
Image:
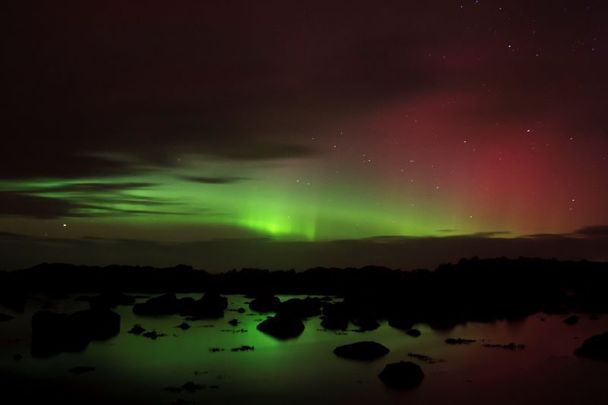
<point>282,326</point>
<point>335,317</point>
<point>265,303</point>
<point>166,304</point>
<point>110,300</point>
<point>365,323</point>
<point>301,308</point>
<point>596,347</point>
<point>403,322</point>
<point>211,305</point>
<point>402,375</point>
<point>53,333</point>
<point>363,351</point>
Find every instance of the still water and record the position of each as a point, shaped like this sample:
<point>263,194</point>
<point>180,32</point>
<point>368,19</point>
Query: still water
<point>134,369</point>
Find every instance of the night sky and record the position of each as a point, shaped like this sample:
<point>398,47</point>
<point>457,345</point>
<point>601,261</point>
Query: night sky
<point>277,133</point>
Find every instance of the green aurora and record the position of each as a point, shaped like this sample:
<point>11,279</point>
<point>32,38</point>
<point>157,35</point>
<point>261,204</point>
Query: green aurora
<point>282,208</point>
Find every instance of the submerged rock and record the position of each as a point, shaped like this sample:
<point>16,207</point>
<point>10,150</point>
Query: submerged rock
<point>191,386</point>
<point>137,329</point>
<point>508,346</point>
<point>153,335</point>
<point>596,347</point>
<point>243,348</point>
<point>282,326</point>
<point>424,358</point>
<point>402,375</point>
<point>184,326</point>
<point>363,351</point>
<point>459,341</point>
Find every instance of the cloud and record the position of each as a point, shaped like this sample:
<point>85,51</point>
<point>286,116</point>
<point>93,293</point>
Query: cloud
<point>214,180</point>
<point>23,205</point>
<point>219,84</point>
<point>82,200</point>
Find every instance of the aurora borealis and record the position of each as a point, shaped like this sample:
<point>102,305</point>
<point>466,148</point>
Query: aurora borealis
<point>302,122</point>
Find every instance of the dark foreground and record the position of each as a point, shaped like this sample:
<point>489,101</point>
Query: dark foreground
<point>500,331</point>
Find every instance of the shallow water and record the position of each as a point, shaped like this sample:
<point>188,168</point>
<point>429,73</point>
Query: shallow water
<point>304,370</point>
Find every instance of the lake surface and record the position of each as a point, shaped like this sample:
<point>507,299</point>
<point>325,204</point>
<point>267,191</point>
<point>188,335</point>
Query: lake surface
<point>134,369</point>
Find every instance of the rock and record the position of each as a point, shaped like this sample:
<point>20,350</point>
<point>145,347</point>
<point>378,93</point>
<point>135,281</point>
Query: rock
<point>153,335</point>
<point>571,320</point>
<point>459,341</point>
<point>234,322</point>
<point>424,358</point>
<point>596,347</point>
<point>191,386</point>
<point>54,333</point>
<point>509,346</point>
<point>137,329</point>
<point>301,308</point>
<point>402,322</point>
<point>366,323</point>
<point>402,375</point>
<point>13,299</point>
<point>413,332</point>
<point>184,326</point>
<point>101,323</point>
<point>110,300</point>
<point>166,304</point>
<point>81,370</point>
<point>282,326</point>
<point>265,303</point>
<point>335,317</point>
<point>6,318</point>
<point>216,350</point>
<point>210,306</point>
<point>240,310</point>
<point>49,334</point>
<point>243,348</point>
<point>363,351</point>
